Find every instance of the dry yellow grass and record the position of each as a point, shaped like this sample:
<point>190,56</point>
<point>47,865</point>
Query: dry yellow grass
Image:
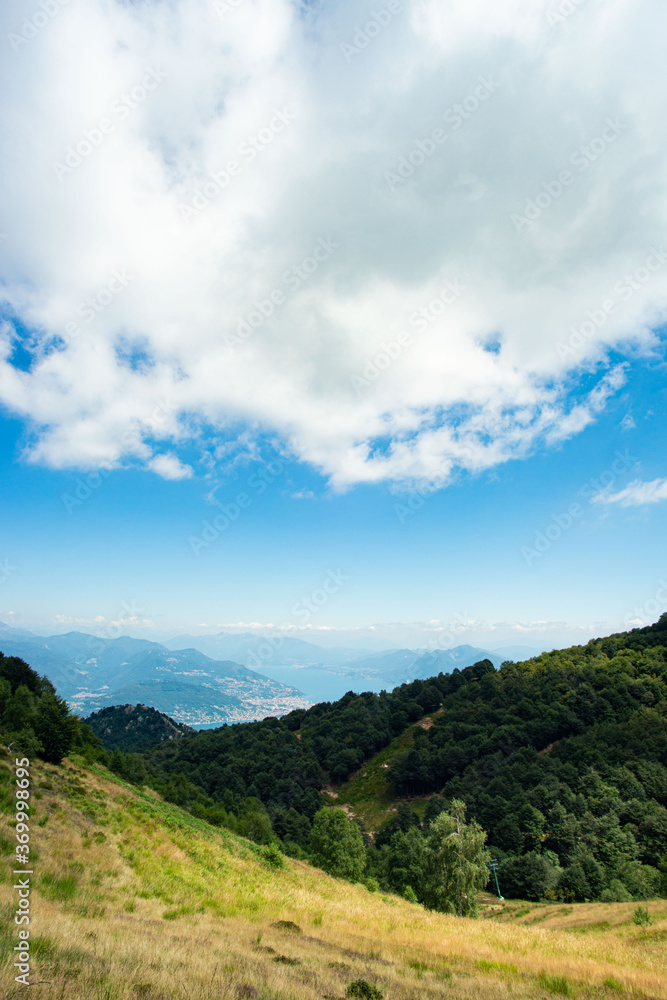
<point>136,899</point>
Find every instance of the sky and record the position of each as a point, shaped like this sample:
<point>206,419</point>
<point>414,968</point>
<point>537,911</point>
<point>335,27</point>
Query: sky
<point>346,319</point>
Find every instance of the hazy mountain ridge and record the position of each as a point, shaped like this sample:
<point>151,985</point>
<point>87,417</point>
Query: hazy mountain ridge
<point>405,665</point>
<point>253,649</point>
<point>395,666</point>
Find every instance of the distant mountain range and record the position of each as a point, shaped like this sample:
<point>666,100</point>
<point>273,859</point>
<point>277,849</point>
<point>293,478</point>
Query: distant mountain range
<point>213,679</point>
<point>400,666</point>
<point>92,673</point>
<point>254,650</point>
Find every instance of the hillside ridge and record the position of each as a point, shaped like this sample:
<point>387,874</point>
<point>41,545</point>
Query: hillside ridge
<point>134,727</point>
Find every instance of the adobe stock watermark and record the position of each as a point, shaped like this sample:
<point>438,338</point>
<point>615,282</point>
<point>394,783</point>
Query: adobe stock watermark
<point>257,483</point>
<point>364,35</point>
<point>219,180</point>
<point>420,319</point>
<point>92,138</point>
<point>623,290</point>
<point>129,613</point>
<point>224,7</point>
<point>448,638</point>
<point>96,303</point>
<point>651,610</point>
<point>416,498</point>
<point>22,885</point>
<point>454,116</point>
<point>32,25</point>
<point>7,570</point>
<point>581,158</point>
<point>303,611</point>
<point>293,278</point>
<point>560,523</point>
<point>86,485</point>
<point>564,10</point>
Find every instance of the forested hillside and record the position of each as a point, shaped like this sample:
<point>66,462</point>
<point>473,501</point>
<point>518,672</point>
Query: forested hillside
<point>561,759</point>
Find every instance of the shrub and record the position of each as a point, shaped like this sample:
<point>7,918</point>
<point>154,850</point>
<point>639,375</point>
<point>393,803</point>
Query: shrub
<point>363,989</point>
<point>272,856</point>
<point>642,918</point>
<point>615,893</point>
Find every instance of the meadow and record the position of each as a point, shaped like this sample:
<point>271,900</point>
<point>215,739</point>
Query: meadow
<point>135,898</point>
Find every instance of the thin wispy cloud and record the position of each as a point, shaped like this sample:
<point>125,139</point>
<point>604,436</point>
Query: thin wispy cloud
<point>636,494</point>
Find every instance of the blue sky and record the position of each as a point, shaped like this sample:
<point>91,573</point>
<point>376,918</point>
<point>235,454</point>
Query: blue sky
<point>359,332</point>
<point>464,561</point>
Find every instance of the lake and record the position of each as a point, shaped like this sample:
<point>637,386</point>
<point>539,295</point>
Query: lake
<point>320,685</point>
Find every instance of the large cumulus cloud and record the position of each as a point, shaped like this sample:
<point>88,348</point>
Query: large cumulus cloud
<point>399,241</point>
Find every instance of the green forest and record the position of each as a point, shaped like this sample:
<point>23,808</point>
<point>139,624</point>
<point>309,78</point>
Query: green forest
<point>134,727</point>
<point>554,766</point>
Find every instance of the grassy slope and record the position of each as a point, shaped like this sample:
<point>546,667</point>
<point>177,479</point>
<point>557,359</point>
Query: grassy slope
<point>135,898</point>
<point>367,793</point>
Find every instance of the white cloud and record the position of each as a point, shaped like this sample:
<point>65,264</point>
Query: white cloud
<point>636,494</point>
<point>170,467</point>
<point>180,345</point>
